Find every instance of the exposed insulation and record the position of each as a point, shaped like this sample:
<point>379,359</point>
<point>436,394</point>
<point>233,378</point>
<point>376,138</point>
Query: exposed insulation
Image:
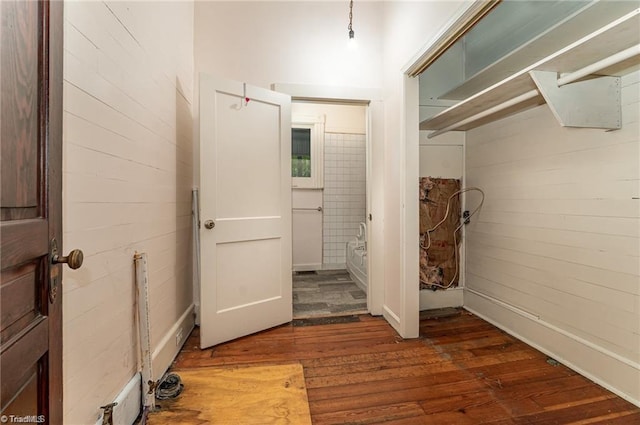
<point>438,263</point>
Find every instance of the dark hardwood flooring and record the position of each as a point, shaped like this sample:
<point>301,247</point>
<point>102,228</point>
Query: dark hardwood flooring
<point>462,370</point>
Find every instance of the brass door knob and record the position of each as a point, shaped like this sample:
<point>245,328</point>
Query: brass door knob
<point>73,260</point>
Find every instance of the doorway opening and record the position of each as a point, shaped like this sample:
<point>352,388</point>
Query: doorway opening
<point>329,208</point>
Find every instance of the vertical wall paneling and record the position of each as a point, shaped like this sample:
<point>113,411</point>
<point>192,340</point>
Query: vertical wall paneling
<point>554,254</point>
<point>128,159</point>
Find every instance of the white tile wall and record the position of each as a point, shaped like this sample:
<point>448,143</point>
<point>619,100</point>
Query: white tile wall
<point>344,194</point>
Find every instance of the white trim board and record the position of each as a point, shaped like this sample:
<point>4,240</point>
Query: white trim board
<point>129,401</point>
<point>595,363</point>
<point>328,93</point>
<point>391,317</point>
<point>430,300</point>
<point>170,346</point>
<point>409,211</point>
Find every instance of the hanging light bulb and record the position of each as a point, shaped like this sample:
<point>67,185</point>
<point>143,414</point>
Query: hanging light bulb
<point>351,34</point>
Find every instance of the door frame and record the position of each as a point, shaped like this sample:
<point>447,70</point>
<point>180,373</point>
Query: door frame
<point>55,145</point>
<point>410,165</point>
<point>372,98</point>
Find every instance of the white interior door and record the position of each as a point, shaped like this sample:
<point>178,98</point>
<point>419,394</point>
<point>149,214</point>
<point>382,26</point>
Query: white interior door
<point>245,186</point>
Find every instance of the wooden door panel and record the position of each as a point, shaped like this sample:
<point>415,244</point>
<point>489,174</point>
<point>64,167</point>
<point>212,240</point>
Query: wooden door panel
<point>18,300</point>
<point>20,87</point>
<point>23,353</point>
<point>23,240</point>
<point>30,208</point>
<point>26,399</point>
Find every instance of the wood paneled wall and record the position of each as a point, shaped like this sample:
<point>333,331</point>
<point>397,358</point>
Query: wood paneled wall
<point>557,241</point>
<point>128,156</point>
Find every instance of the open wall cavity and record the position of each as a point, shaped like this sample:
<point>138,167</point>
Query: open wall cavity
<point>441,174</point>
<point>439,227</point>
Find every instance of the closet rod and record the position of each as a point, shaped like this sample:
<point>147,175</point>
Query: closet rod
<point>614,59</point>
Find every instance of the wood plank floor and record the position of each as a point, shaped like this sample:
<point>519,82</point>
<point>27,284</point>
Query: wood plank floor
<point>462,370</point>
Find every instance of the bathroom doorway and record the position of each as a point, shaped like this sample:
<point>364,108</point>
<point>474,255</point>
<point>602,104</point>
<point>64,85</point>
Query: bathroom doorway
<point>329,208</point>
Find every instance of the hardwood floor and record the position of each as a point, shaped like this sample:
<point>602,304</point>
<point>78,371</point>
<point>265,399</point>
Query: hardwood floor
<point>462,370</point>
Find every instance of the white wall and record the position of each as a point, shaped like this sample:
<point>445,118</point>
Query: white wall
<point>553,254</point>
<point>128,71</point>
<point>303,43</point>
<point>442,157</point>
<point>339,118</point>
<point>267,42</point>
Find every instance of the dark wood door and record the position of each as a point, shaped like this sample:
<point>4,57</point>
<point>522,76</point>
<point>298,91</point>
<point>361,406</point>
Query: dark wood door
<point>30,168</point>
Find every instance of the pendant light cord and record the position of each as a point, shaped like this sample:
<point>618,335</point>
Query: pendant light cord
<point>350,19</point>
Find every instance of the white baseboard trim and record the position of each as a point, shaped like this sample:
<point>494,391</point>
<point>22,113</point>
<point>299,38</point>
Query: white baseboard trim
<point>170,345</point>
<point>336,266</point>
<point>441,299</point>
<point>307,267</point>
<point>391,317</point>
<point>619,375</point>
<point>129,402</point>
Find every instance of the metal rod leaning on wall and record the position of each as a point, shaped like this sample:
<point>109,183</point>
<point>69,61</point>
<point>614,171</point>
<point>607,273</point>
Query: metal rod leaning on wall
<point>144,331</point>
<point>195,214</point>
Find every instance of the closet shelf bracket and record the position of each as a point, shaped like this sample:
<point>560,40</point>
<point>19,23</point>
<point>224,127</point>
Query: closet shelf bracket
<point>591,103</point>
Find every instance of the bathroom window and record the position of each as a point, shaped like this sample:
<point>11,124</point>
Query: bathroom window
<point>307,140</point>
<point>301,152</point>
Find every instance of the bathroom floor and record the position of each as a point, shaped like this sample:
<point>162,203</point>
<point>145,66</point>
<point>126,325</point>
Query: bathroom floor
<point>326,293</point>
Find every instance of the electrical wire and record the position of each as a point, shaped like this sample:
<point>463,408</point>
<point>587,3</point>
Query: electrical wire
<point>170,386</point>
<point>455,233</point>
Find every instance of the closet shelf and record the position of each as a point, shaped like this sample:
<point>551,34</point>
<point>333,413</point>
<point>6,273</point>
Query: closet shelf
<point>618,40</point>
